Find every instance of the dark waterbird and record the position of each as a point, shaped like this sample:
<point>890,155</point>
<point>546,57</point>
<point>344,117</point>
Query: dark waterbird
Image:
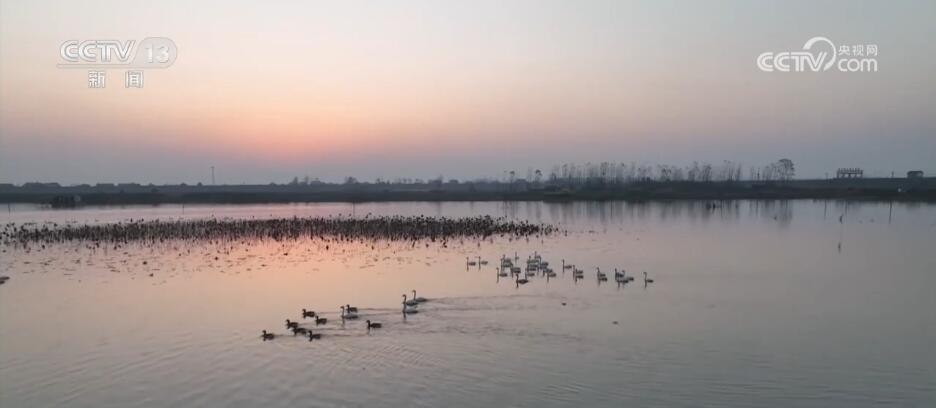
<point>320,320</point>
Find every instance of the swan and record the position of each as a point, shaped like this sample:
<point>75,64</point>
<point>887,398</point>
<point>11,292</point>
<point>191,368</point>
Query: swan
<point>267,336</point>
<point>418,299</point>
<point>291,325</point>
<point>409,310</point>
<point>505,262</point>
<point>320,320</point>
<point>411,302</point>
<point>647,280</point>
<point>314,336</point>
<point>522,281</point>
<point>351,309</point>
<point>601,275</point>
<point>297,330</point>
<point>307,313</point>
<point>347,315</point>
<point>374,325</point>
<point>501,272</point>
<point>470,262</point>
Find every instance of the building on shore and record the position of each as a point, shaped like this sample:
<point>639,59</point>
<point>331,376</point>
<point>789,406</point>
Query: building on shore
<point>849,173</point>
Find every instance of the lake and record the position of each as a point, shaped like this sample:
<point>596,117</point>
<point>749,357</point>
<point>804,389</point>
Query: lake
<point>754,304</point>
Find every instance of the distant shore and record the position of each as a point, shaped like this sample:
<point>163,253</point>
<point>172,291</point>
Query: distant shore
<point>902,189</point>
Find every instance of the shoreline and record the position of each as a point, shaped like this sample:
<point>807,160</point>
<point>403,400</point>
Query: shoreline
<point>103,199</point>
<point>895,189</point>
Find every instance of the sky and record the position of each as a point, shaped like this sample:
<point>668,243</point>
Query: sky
<point>268,90</point>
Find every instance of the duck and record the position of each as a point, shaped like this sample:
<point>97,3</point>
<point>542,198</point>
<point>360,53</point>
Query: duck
<point>411,302</point>
<point>373,325</point>
<point>297,330</point>
<point>418,299</point>
<point>320,320</point>
<point>307,313</point>
<point>347,315</point>
<point>314,336</point>
<point>267,336</point>
<point>291,324</point>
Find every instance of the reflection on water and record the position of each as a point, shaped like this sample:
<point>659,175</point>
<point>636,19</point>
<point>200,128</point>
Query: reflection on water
<point>755,303</point>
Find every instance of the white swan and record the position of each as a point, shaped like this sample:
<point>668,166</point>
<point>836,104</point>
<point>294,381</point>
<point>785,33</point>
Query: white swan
<point>345,314</point>
<point>409,310</point>
<point>601,275</point>
<point>411,302</point>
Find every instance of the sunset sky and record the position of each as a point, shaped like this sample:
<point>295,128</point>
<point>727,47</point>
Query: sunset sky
<point>268,90</point>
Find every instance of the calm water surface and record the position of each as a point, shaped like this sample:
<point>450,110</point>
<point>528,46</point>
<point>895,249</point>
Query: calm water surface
<point>755,304</point>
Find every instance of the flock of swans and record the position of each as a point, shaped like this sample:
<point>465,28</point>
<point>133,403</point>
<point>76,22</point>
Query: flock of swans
<point>535,265</point>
